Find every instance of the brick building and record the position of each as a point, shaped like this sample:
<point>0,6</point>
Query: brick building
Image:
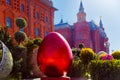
<point>39,15</point>
<point>92,35</point>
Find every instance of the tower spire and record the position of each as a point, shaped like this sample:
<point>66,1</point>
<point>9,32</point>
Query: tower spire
<point>81,8</point>
<point>81,15</point>
<point>61,21</point>
<point>100,23</point>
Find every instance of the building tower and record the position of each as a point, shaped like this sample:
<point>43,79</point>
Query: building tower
<point>85,32</point>
<point>81,15</point>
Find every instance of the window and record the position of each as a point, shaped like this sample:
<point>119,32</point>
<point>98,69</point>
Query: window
<point>37,31</point>
<point>22,7</point>
<point>46,19</point>
<point>8,2</point>
<point>37,15</point>
<point>8,22</point>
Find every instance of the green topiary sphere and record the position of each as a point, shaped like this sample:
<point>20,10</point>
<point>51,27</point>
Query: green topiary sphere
<point>19,36</point>
<point>21,22</point>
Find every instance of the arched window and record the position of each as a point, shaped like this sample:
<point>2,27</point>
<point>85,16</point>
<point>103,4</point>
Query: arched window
<point>37,32</point>
<point>8,2</point>
<point>37,15</point>
<point>22,7</point>
<point>8,22</point>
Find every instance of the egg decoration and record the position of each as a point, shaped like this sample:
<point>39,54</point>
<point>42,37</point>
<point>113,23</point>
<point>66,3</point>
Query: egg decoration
<point>54,55</point>
<point>6,62</point>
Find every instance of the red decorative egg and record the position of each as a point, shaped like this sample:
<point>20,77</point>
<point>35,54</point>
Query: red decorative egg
<point>54,55</point>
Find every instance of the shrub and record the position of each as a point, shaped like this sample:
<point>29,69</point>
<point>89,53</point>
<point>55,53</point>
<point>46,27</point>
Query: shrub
<point>77,69</point>
<point>4,36</point>
<point>81,45</point>
<point>76,53</point>
<point>20,36</point>
<point>19,60</point>
<point>21,23</point>
<point>105,69</point>
<point>37,41</point>
<point>116,54</point>
<point>86,55</point>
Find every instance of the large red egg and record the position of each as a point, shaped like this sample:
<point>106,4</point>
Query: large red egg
<point>54,55</point>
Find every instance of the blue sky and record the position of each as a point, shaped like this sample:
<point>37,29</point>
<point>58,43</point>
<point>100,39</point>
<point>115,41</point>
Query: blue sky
<point>108,9</point>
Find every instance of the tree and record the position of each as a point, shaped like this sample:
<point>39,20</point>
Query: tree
<point>21,23</point>
<point>19,36</point>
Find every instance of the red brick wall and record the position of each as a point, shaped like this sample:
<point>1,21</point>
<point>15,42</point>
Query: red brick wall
<point>30,8</point>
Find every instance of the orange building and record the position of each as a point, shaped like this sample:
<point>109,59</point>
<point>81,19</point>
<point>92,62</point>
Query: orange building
<point>39,15</point>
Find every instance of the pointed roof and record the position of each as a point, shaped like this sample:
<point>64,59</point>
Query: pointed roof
<point>61,21</point>
<point>81,9</point>
<point>100,23</point>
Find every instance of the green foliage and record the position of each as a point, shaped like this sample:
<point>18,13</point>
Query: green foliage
<point>21,22</point>
<point>77,69</point>
<point>4,36</point>
<point>76,52</point>
<point>86,55</point>
<point>20,36</point>
<point>22,55</point>
<point>37,41</point>
<point>105,69</point>
<point>1,33</point>
<point>19,60</point>
<point>116,54</point>
<point>30,45</point>
<point>81,45</point>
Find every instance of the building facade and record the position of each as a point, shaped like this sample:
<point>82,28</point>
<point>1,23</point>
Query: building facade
<point>90,34</point>
<point>39,15</point>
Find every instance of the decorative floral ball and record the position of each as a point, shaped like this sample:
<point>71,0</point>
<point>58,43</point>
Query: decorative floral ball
<point>107,57</point>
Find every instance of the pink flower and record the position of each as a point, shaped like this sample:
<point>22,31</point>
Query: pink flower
<point>107,57</point>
